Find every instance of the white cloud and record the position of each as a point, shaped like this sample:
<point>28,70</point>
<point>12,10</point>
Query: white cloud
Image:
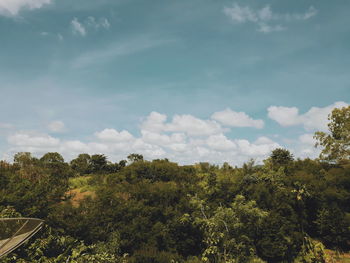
<point>186,123</point>
<point>33,140</point>
<point>184,139</point>
<point>113,135</point>
<point>259,148</point>
<point>241,14</point>
<point>77,27</point>
<point>220,142</point>
<point>56,126</point>
<point>90,23</point>
<point>265,28</point>
<point>97,23</point>
<point>263,140</point>
<point>307,139</point>
<point>13,7</point>
<point>314,119</point>
<point>162,139</point>
<point>192,125</point>
<point>304,146</point>
<point>285,116</point>
<point>264,17</point>
<point>154,122</point>
<point>236,119</point>
<point>76,147</point>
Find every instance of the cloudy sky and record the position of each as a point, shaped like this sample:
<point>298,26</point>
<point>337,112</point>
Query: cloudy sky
<point>188,80</point>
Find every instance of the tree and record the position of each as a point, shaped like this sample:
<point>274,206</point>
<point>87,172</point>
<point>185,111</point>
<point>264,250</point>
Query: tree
<point>134,157</point>
<point>98,163</point>
<point>24,159</point>
<point>81,164</point>
<point>336,143</point>
<point>230,232</point>
<point>51,158</point>
<point>281,157</point>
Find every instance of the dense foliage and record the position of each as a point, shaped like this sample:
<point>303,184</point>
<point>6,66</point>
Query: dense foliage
<point>142,211</point>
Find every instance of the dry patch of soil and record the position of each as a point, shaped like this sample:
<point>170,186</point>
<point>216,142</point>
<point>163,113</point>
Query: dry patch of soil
<point>76,196</point>
<point>335,257</point>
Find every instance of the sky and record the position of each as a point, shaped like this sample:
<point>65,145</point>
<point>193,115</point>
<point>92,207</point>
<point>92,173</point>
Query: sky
<point>188,80</point>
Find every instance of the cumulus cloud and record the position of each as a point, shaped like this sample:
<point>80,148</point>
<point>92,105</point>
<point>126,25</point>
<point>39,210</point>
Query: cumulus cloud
<point>314,119</point>
<point>56,126</point>
<point>258,148</point>
<point>183,138</point>
<point>13,7</point>
<point>220,142</point>
<point>307,139</point>
<point>285,116</point>
<point>163,139</point>
<point>75,146</point>
<point>186,123</point>
<point>113,135</point>
<point>90,23</point>
<point>236,119</point>
<point>35,140</point>
<point>176,146</point>
<point>265,20</point>
<point>154,122</point>
<point>192,125</point>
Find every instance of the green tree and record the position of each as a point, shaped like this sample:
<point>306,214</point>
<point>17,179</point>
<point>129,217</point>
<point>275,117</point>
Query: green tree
<point>281,157</point>
<point>230,232</point>
<point>134,157</point>
<point>98,163</point>
<point>336,143</point>
<point>24,159</point>
<point>81,164</point>
<point>51,158</point>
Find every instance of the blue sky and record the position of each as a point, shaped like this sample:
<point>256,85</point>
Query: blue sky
<point>187,80</point>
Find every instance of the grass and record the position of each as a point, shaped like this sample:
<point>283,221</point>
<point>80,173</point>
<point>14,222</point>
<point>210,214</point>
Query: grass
<point>80,189</point>
<point>81,183</point>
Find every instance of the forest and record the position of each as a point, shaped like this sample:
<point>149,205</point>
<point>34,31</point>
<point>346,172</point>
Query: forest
<point>139,211</point>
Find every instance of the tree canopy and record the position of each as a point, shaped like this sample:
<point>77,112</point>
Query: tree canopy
<point>336,143</point>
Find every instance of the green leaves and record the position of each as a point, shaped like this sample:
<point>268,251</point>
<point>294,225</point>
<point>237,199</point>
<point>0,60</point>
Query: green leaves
<point>336,143</point>
<point>229,232</point>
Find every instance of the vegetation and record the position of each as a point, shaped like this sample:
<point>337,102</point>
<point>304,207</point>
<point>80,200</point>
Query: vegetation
<point>140,211</point>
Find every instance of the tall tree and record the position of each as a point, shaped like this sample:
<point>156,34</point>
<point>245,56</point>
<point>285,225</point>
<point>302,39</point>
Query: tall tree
<point>81,164</point>
<point>134,157</point>
<point>98,163</point>
<point>336,143</point>
<point>281,157</point>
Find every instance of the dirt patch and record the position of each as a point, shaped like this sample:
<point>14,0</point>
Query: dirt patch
<point>76,196</point>
<point>336,257</point>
